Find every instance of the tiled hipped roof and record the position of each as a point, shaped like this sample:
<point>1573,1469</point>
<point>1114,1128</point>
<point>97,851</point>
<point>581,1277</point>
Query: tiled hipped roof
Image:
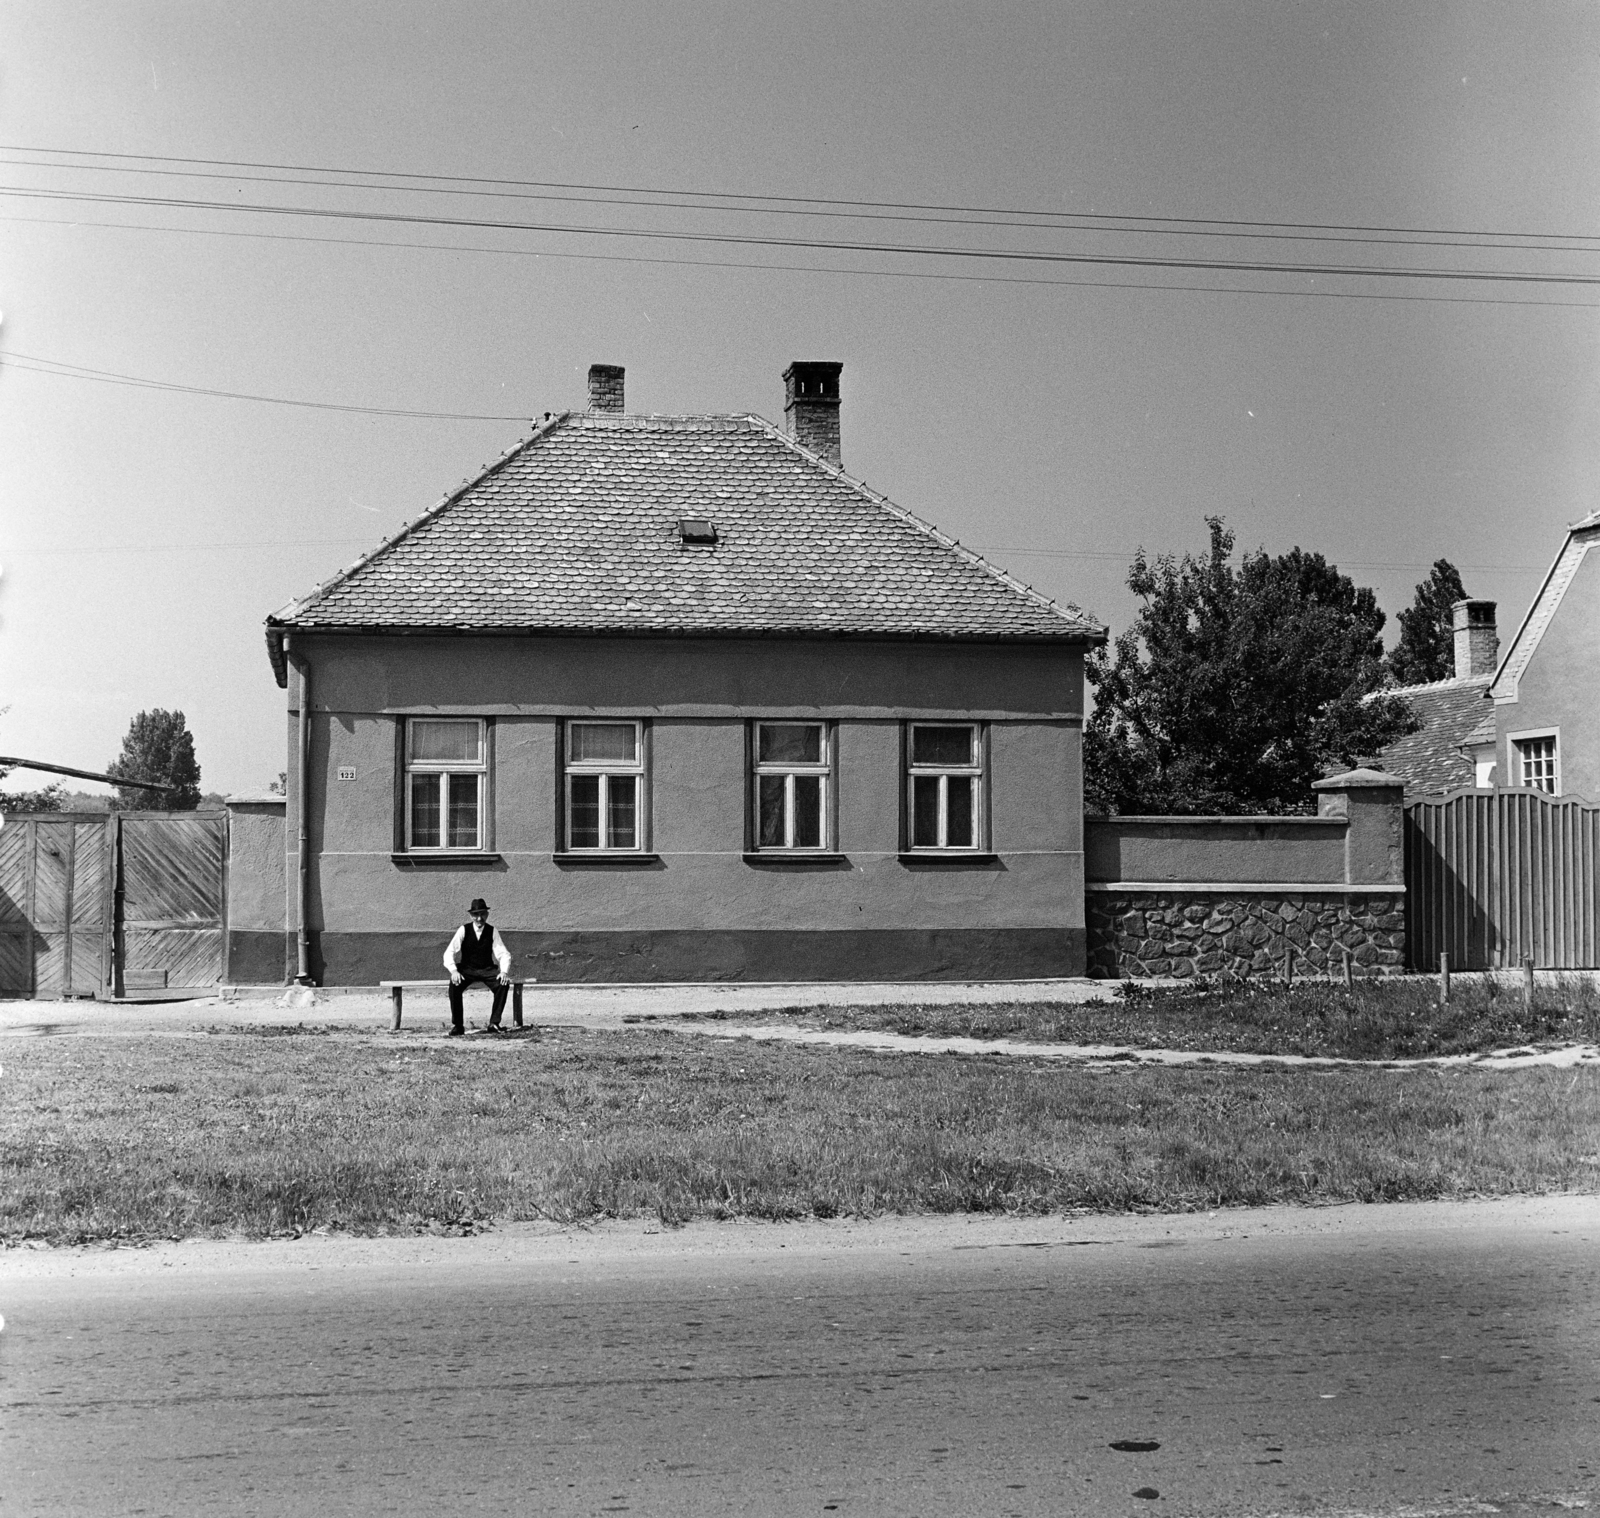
<point>1452,713</point>
<point>576,530</point>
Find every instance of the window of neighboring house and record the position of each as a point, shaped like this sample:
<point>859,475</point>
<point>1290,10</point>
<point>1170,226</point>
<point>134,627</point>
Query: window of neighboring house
<point>793,765</point>
<point>944,784</point>
<point>605,786</point>
<point>447,773</point>
<point>1536,762</point>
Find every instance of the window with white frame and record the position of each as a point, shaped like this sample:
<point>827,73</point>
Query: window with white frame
<point>447,774</point>
<point>944,783</point>
<point>1536,762</point>
<point>605,786</point>
<point>792,769</point>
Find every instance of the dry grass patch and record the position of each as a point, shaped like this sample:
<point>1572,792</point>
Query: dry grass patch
<point>1376,1020</point>
<point>137,1138</point>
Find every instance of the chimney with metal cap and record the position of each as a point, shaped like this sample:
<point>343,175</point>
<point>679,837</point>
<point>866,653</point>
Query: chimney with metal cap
<point>1477,641</point>
<point>605,387</point>
<point>811,406</point>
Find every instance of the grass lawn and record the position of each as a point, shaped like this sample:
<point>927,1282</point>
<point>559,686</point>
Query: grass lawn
<point>133,1138</point>
<point>1390,1019</point>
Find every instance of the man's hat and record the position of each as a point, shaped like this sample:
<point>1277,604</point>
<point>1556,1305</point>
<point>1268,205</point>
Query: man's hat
<point>478,905</point>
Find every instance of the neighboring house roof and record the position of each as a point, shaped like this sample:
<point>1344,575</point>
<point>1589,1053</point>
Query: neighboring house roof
<point>1451,712</point>
<point>575,530</point>
<point>1580,536</point>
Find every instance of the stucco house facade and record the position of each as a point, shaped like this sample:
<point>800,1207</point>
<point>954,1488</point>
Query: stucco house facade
<point>1546,728</point>
<point>682,700</point>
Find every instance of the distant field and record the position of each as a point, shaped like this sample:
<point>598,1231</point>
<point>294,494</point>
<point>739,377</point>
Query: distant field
<point>141,1137</point>
<point>1376,1020</point>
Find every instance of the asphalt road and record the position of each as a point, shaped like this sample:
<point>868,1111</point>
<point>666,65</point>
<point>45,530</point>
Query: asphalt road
<point>1412,1359</point>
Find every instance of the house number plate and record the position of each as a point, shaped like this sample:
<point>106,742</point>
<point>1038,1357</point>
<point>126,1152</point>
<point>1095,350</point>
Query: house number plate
<point>347,772</point>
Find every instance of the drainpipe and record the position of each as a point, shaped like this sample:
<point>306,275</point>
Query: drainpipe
<point>303,846</point>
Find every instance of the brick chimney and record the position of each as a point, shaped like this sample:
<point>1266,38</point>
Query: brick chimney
<point>811,406</point>
<point>1477,641</point>
<point>605,387</point>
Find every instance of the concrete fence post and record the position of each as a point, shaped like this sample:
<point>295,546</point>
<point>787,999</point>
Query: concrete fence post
<point>1372,803</point>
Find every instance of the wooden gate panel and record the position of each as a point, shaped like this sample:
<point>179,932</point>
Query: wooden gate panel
<point>52,906</point>
<point>172,908</point>
<point>16,929</point>
<point>89,919</point>
<point>1493,876</point>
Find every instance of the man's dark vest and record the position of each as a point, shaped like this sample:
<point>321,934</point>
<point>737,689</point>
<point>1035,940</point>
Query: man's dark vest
<point>477,953</point>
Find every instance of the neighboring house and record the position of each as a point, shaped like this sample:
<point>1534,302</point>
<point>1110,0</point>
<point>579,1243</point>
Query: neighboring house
<point>1454,745</point>
<point>684,701</point>
<point>1547,716</point>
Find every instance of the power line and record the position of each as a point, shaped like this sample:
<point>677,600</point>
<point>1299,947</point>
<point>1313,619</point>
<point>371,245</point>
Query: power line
<point>714,263</point>
<point>1091,216</point>
<point>814,244</point>
<point>63,370</point>
<point>81,548</point>
<point>1127,225</point>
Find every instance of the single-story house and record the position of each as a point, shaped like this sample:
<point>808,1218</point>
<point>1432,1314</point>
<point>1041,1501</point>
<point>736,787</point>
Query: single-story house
<point>683,700</point>
<point>1546,731</point>
<point>1453,747</point>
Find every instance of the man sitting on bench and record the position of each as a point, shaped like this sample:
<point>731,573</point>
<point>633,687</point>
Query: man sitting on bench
<point>477,953</point>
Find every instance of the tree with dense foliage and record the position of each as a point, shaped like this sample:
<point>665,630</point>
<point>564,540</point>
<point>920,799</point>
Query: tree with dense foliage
<point>47,800</point>
<point>1426,650</point>
<point>1236,687</point>
<point>158,748</point>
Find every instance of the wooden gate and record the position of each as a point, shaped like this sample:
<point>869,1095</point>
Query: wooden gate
<point>1493,876</point>
<point>111,904</point>
<point>170,907</point>
<point>55,905</point>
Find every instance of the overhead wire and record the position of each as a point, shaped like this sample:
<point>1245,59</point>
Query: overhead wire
<point>813,244</point>
<point>712,263</point>
<point>1125,224</point>
<point>63,370</point>
<point>789,199</point>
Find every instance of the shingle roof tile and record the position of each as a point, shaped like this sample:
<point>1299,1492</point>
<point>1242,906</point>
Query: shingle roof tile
<point>576,529</point>
<point>1452,713</point>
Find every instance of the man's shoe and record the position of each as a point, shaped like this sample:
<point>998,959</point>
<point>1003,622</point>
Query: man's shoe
<point>455,1033</point>
<point>494,1028</point>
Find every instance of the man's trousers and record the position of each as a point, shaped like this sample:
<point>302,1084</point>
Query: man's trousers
<point>490,978</point>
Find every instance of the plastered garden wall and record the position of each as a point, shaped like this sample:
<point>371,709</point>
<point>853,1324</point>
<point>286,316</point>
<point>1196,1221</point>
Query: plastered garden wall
<point>1186,896</point>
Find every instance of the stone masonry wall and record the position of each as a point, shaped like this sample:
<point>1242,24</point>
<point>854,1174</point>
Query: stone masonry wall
<point>1150,933</point>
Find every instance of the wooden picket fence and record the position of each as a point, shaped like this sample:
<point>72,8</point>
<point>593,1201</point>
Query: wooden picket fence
<point>1494,877</point>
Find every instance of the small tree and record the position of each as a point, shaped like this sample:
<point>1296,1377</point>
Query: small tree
<point>1426,650</point>
<point>1236,688</point>
<point>158,748</point>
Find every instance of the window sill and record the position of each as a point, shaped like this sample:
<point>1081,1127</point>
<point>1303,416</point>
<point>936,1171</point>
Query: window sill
<point>603,858</point>
<point>763,858</point>
<point>946,858</point>
<point>469,856</point>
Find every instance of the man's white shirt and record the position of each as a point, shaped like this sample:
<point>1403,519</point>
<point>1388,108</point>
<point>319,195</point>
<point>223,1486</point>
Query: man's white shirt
<point>452,955</point>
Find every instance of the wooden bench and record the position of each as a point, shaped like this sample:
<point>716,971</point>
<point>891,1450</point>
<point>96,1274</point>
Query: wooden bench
<point>398,988</point>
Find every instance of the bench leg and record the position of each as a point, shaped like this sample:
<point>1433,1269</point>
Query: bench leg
<point>395,993</point>
<point>516,1006</point>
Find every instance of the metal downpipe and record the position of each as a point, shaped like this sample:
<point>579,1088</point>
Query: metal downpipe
<point>303,840</point>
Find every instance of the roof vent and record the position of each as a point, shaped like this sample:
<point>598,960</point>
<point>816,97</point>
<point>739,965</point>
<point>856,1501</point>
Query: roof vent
<point>697,530</point>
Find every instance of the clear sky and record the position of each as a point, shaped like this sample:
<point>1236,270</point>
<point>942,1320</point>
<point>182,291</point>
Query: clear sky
<point>1057,421</point>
